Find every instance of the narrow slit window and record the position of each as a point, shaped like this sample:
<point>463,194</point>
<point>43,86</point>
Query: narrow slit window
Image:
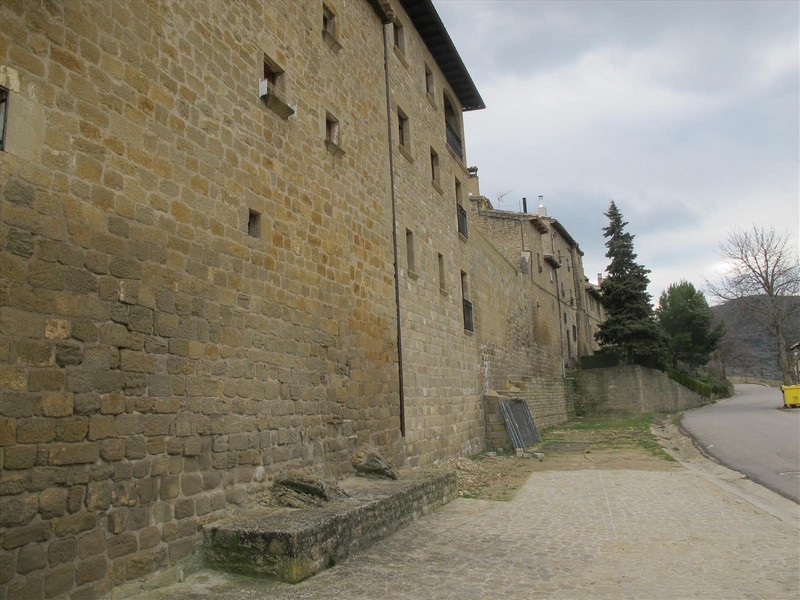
<point>403,130</point>
<point>434,166</point>
<point>428,81</point>
<point>3,112</point>
<point>331,129</point>
<point>410,260</point>
<point>399,36</point>
<point>468,317</point>
<point>253,223</point>
<point>328,21</point>
<point>442,283</point>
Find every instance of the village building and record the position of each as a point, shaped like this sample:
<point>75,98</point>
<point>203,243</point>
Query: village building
<point>239,238</point>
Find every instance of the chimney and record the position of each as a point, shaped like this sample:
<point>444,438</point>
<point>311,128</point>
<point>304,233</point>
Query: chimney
<point>524,204</point>
<point>473,183</point>
<point>542,212</point>
<point>599,279</point>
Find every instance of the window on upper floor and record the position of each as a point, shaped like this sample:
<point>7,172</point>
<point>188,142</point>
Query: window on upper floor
<point>399,36</point>
<point>428,81</point>
<point>403,132</point>
<point>3,119</point>
<point>253,223</point>
<point>442,273</point>
<point>411,262</point>
<point>468,317</point>
<point>271,89</point>
<point>452,125</point>
<point>333,135</point>
<point>435,168</point>
<point>461,212</point>
<point>330,28</point>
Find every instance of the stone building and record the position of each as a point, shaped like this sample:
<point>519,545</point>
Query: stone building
<point>236,238</point>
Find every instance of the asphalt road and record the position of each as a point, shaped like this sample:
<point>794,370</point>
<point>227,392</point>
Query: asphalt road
<point>752,433</point>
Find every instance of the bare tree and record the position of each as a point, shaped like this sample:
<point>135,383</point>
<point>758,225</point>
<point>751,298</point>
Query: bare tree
<point>764,278</point>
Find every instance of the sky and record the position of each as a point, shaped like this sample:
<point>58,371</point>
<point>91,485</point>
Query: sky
<point>684,113</point>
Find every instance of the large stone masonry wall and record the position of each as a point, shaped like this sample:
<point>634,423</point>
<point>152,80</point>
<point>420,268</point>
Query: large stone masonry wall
<point>443,413</point>
<point>155,356</point>
<point>632,389</point>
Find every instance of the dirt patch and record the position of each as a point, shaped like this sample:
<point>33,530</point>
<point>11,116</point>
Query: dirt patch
<point>611,443</point>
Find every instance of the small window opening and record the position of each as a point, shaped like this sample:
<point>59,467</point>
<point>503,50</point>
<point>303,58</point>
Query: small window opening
<point>410,260</point>
<point>434,166</point>
<point>428,81</point>
<point>3,112</point>
<point>399,36</point>
<point>328,21</point>
<point>331,129</point>
<point>403,130</point>
<point>253,223</point>
<point>468,319</point>
<point>442,283</point>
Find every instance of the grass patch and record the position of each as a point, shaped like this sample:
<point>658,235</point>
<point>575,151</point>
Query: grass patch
<point>610,431</point>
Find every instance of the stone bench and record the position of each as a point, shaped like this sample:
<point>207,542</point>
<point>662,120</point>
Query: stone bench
<point>293,544</point>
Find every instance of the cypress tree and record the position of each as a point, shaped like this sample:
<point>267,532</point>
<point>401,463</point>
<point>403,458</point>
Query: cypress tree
<point>630,325</point>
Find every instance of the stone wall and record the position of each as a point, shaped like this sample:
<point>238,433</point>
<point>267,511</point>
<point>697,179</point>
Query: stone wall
<point>194,291</point>
<point>632,389</point>
<point>197,284</point>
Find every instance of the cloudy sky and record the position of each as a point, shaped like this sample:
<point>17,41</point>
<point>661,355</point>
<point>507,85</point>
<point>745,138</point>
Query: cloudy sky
<point>684,113</point>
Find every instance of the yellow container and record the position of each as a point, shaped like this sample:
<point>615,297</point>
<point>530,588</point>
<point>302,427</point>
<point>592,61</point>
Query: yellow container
<point>791,395</point>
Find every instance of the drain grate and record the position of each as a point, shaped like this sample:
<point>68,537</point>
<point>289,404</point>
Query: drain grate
<point>563,446</point>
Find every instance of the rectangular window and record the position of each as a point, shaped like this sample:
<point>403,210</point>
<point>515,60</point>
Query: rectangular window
<point>462,221</point>
<point>328,21</point>
<point>434,166</point>
<point>330,29</point>
<point>331,128</point>
<point>271,88</point>
<point>428,81</point>
<point>253,223</point>
<point>399,36</point>
<point>403,130</point>
<point>442,282</point>
<point>333,136</point>
<point>468,319</point>
<point>410,261</point>
<point>3,111</point>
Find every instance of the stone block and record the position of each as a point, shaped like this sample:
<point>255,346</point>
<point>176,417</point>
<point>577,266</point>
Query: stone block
<point>139,564</point>
<point>34,533</point>
<point>31,557</point>
<point>72,454</point>
<point>191,483</point>
<point>122,545</point>
<point>91,544</point>
<point>53,502</point>
<point>62,551</point>
<point>59,580</point>
<point>20,457</point>
<point>74,524</point>
<point>98,495</point>
<point>102,426</point>
<point>92,569</point>
<point>67,354</point>
<point>112,449</point>
<point>8,431</point>
<point>35,430</point>
<point>137,362</point>
<point>57,404</point>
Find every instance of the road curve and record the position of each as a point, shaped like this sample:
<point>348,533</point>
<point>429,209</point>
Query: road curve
<point>752,433</point>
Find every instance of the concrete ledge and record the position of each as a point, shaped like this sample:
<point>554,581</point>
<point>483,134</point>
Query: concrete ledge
<point>294,544</point>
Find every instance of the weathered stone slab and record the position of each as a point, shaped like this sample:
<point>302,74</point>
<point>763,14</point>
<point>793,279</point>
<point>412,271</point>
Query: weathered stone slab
<point>294,544</point>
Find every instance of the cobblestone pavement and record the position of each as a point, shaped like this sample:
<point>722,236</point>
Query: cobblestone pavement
<point>567,534</point>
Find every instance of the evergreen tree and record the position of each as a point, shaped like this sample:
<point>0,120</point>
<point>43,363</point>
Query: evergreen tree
<point>688,324</point>
<point>630,325</point>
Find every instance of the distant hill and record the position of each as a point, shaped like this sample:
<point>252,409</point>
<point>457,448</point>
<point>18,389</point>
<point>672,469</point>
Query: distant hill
<point>749,350</point>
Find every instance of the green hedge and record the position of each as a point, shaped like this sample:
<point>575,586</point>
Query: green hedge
<point>703,385</point>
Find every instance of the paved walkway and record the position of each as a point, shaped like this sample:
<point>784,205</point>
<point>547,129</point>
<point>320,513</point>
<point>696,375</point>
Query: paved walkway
<point>567,534</point>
